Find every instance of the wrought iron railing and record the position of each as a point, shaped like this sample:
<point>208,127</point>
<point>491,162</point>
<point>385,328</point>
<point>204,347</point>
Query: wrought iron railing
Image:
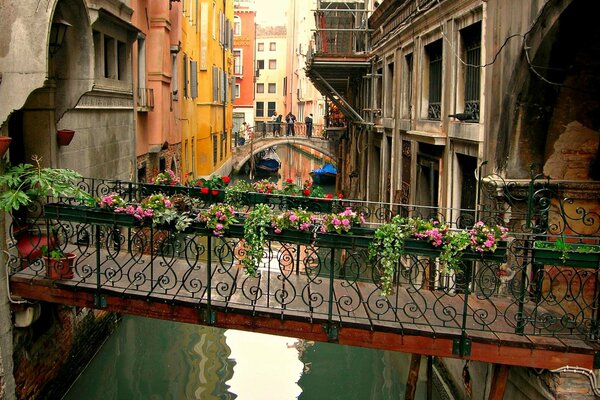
<point>329,278</point>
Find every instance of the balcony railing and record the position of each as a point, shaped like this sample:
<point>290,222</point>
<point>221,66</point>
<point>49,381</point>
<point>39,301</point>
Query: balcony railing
<point>341,28</point>
<point>518,290</point>
<point>145,99</point>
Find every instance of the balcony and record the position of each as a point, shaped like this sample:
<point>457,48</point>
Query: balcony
<point>339,57</point>
<point>145,99</point>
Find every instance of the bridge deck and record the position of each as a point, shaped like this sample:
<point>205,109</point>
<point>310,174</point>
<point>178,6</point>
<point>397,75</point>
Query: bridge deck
<point>294,302</point>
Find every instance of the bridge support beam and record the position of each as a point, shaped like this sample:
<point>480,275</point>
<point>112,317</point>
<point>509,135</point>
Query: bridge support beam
<point>263,321</point>
<point>499,382</point>
<point>413,377</point>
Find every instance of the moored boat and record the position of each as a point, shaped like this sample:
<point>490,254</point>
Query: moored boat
<point>325,175</point>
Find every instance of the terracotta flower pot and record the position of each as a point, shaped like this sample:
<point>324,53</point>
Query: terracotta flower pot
<point>60,269</point>
<point>64,136</point>
<point>4,144</point>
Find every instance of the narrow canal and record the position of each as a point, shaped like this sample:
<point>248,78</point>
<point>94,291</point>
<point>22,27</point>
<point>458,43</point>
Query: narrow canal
<point>147,359</point>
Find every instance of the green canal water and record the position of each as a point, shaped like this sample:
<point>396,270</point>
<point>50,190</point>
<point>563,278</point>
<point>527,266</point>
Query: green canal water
<point>147,359</point>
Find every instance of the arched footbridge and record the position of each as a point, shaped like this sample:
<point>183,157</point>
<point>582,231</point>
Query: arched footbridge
<point>241,154</point>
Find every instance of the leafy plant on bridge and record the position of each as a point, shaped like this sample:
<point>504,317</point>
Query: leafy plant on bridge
<point>390,243</point>
<point>255,231</point>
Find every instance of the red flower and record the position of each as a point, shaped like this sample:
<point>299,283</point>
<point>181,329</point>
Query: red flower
<point>214,192</point>
<point>198,183</point>
<point>306,192</point>
<point>329,196</point>
<point>204,190</point>
<point>289,180</point>
<point>340,196</point>
<point>226,179</point>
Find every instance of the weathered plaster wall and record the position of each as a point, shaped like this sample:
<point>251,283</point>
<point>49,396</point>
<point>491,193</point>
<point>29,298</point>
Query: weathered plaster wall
<point>23,57</point>
<point>7,382</point>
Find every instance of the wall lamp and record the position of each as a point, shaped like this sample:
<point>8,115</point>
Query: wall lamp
<point>57,34</point>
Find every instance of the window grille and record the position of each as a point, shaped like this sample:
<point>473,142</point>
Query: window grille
<point>472,43</point>
<point>434,109</point>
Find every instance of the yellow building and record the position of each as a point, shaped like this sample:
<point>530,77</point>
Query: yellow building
<point>205,74</point>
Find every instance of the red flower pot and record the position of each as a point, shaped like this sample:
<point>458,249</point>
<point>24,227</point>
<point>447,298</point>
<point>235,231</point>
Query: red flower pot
<point>60,269</point>
<point>64,136</point>
<point>4,144</point>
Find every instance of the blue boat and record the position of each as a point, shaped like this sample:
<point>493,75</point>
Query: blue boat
<point>325,175</point>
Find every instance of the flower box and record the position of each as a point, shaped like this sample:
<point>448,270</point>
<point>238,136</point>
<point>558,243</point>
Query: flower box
<point>574,255</point>
<point>416,247</point>
<point>291,236</point>
<point>88,215</point>
<point>499,255</point>
<point>356,237</point>
<point>151,188</point>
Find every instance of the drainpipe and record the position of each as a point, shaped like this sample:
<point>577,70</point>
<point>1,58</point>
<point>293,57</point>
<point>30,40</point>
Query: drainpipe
<point>225,70</point>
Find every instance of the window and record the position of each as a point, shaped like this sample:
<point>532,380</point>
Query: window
<point>272,46</point>
<point>260,88</point>
<point>109,58</point>
<point>260,64</point>
<point>408,65</point>
<point>237,26</point>
<point>272,88</point>
<point>434,55</point>
<point>237,90</point>
<point>260,46</point>
<point>237,62</point>
<point>215,81</point>
<point>193,79</point>
<point>121,61</point>
<point>389,88</point>
<point>272,64</point>
<point>260,109</point>
<point>271,108</point>
<point>141,61</point>
<point>215,148</point>
<point>471,38</point>
<point>174,76</point>
<point>185,76</point>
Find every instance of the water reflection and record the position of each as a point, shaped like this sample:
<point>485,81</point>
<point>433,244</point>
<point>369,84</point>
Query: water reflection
<point>153,359</point>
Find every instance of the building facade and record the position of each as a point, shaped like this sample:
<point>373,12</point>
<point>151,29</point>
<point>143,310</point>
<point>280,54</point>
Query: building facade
<point>206,79</point>
<point>244,38</point>
<point>301,94</point>
<point>271,82</point>
<point>436,94</point>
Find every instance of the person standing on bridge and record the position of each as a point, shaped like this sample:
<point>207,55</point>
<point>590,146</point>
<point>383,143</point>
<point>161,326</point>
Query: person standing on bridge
<point>278,124</point>
<point>308,121</point>
<point>290,119</point>
<point>274,122</point>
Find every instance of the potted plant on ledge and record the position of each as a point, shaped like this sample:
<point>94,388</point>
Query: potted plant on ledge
<point>59,264</point>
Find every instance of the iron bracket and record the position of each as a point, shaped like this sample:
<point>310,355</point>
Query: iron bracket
<point>461,347</point>
<point>100,301</point>
<point>332,331</point>
<point>208,316</point>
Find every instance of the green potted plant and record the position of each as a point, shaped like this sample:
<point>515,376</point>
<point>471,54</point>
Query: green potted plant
<point>59,264</point>
<point>294,225</point>
<point>218,217</point>
<point>25,183</point>
<point>560,252</point>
